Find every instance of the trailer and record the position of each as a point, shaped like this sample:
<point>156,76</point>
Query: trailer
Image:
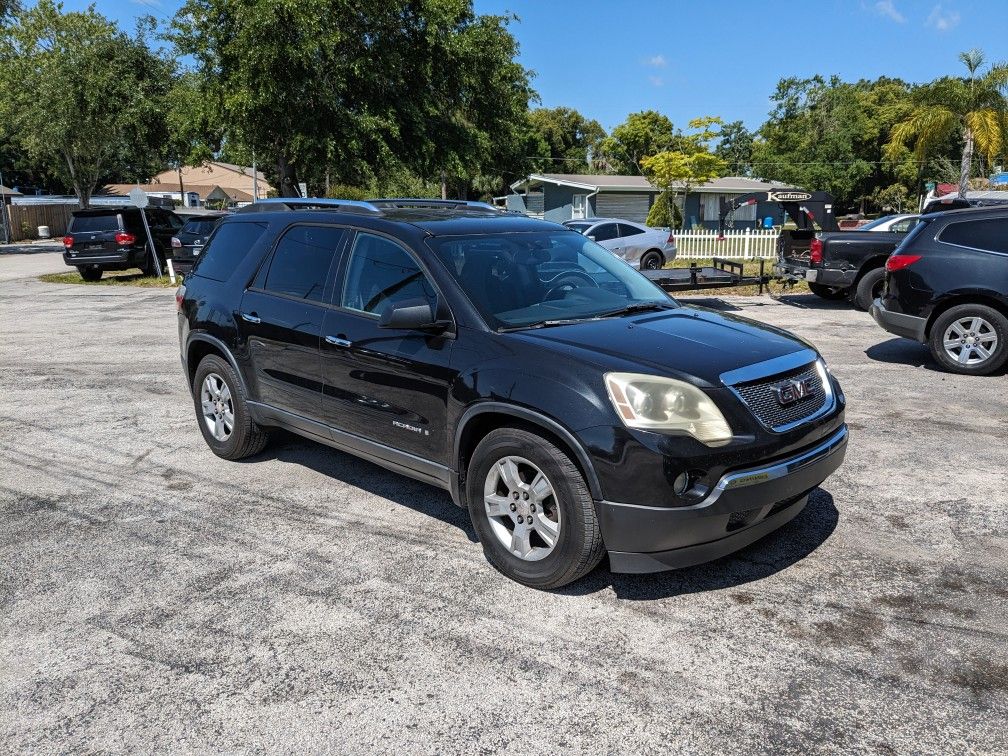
<point>722,274</point>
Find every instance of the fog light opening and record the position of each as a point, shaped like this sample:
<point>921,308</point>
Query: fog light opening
<point>681,484</point>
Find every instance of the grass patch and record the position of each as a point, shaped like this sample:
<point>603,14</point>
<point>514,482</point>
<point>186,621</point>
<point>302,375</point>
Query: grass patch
<point>750,268</point>
<point>112,278</point>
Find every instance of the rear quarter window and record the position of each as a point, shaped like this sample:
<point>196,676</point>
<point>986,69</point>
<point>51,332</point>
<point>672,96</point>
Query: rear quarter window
<point>227,248</point>
<point>93,223</point>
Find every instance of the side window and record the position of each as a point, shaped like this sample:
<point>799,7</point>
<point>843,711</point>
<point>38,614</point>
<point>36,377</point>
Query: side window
<point>381,274</point>
<point>605,232</point>
<point>301,261</point>
<point>226,248</point>
<point>991,235</point>
<point>625,230</point>
<point>902,226</point>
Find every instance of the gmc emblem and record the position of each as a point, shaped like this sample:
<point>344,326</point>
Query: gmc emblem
<point>790,391</point>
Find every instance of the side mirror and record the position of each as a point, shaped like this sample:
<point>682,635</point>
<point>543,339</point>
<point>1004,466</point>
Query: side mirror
<point>591,238</point>
<point>412,315</point>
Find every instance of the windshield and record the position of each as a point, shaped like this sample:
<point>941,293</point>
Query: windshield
<point>201,227</point>
<point>579,227</point>
<point>876,223</point>
<point>524,279</point>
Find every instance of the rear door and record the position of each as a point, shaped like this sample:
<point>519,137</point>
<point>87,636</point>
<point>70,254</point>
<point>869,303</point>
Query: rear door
<point>281,321</point>
<point>94,233</point>
<point>385,385</point>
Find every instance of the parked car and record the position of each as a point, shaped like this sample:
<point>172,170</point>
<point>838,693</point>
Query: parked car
<point>837,264</point>
<point>899,223</point>
<point>188,242</point>
<point>643,247</point>
<point>113,238</point>
<point>946,286</point>
<point>569,403</point>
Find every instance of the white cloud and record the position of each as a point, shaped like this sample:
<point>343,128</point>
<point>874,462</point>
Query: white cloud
<point>657,81</point>
<point>943,20</point>
<point>657,61</point>
<point>888,9</point>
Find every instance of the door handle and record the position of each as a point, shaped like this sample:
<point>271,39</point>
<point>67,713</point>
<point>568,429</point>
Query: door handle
<point>337,341</point>
<point>251,317</point>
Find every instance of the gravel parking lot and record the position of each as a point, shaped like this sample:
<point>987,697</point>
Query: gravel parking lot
<point>155,597</point>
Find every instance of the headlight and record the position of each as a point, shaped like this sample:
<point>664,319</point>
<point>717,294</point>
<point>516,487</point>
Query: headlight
<point>650,402</point>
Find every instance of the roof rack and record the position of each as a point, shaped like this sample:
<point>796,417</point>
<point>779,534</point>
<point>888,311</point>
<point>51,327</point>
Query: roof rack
<point>365,207</point>
<point>415,202</point>
<point>311,203</point>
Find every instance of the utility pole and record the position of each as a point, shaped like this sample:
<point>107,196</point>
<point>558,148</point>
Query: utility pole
<point>3,214</point>
<point>444,186</point>
<point>255,179</point>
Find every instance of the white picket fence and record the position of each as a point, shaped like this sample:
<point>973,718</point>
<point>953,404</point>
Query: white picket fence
<point>740,244</point>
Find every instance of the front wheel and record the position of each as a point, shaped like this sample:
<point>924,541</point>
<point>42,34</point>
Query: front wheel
<point>652,260</point>
<point>830,293</point>
<point>532,510</point>
<point>970,339</point>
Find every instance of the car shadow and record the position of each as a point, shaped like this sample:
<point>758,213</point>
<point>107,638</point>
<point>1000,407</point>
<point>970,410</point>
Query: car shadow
<point>812,302</point>
<point>771,554</point>
<point>420,497</point>
<point>901,352</point>
<point>29,249</point>
<point>711,303</point>
<point>767,556</point>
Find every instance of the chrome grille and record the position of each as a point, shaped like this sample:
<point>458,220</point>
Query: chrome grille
<point>759,396</point>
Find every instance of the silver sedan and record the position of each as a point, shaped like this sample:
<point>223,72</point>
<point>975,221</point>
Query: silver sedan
<point>642,247</point>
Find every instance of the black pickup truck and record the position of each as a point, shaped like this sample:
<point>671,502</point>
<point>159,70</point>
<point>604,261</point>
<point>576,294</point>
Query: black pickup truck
<point>837,264</point>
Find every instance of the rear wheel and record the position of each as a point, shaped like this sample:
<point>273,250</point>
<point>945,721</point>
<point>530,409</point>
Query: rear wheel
<point>970,339</point>
<point>222,412</point>
<point>869,288</point>
<point>532,510</point>
<point>828,292</point>
<point>652,260</point>
<point>90,272</point>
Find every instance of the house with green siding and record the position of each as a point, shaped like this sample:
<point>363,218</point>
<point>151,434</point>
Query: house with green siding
<point>564,196</point>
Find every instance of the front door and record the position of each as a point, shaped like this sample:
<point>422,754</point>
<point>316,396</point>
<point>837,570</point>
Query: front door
<point>281,319</point>
<point>385,385</point>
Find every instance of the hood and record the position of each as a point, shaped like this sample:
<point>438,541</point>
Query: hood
<point>687,343</point>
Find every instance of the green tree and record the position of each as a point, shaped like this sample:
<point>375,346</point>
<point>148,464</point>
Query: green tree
<point>320,87</point>
<point>677,171</point>
<point>972,107</point>
<point>192,134</point>
<point>570,142</point>
<point>735,147</point>
<point>83,98</point>
<point>639,136</point>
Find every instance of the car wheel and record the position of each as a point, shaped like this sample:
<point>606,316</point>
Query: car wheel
<point>222,412</point>
<point>828,292</point>
<point>869,288</point>
<point>532,510</point>
<point>970,339</point>
<point>90,272</point>
<point>652,260</point>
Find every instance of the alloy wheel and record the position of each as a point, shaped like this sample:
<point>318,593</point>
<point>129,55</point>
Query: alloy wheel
<point>218,407</point>
<point>522,508</point>
<point>970,341</point>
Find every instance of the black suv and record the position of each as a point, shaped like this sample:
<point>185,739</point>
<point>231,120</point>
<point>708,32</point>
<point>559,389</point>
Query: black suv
<point>946,286</point>
<point>189,240</point>
<point>569,403</point>
<point>113,238</point>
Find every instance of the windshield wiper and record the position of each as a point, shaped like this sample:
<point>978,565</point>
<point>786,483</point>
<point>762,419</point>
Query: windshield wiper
<point>544,324</point>
<point>635,307</point>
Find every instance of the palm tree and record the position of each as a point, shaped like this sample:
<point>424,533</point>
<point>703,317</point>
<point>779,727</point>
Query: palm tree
<point>974,107</point>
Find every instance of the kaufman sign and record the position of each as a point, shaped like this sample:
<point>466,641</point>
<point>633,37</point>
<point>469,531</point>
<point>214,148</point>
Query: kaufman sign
<point>788,196</point>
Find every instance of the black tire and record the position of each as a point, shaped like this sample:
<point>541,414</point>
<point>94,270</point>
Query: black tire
<point>994,323</point>
<point>869,288</point>
<point>828,292</point>
<point>90,272</point>
<point>652,260</point>
<point>246,437</point>
<point>577,550</point>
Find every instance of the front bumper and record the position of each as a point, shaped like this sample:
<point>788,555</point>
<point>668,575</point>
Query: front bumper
<point>907,326</point>
<point>839,279</point>
<point>744,506</point>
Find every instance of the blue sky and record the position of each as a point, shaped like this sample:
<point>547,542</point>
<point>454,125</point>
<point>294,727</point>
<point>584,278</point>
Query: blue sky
<point>686,59</point>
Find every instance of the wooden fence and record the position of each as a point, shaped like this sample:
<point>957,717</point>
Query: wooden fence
<point>740,244</point>
<point>24,220</point>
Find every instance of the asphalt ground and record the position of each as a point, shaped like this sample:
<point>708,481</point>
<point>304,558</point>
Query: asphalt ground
<point>156,598</point>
